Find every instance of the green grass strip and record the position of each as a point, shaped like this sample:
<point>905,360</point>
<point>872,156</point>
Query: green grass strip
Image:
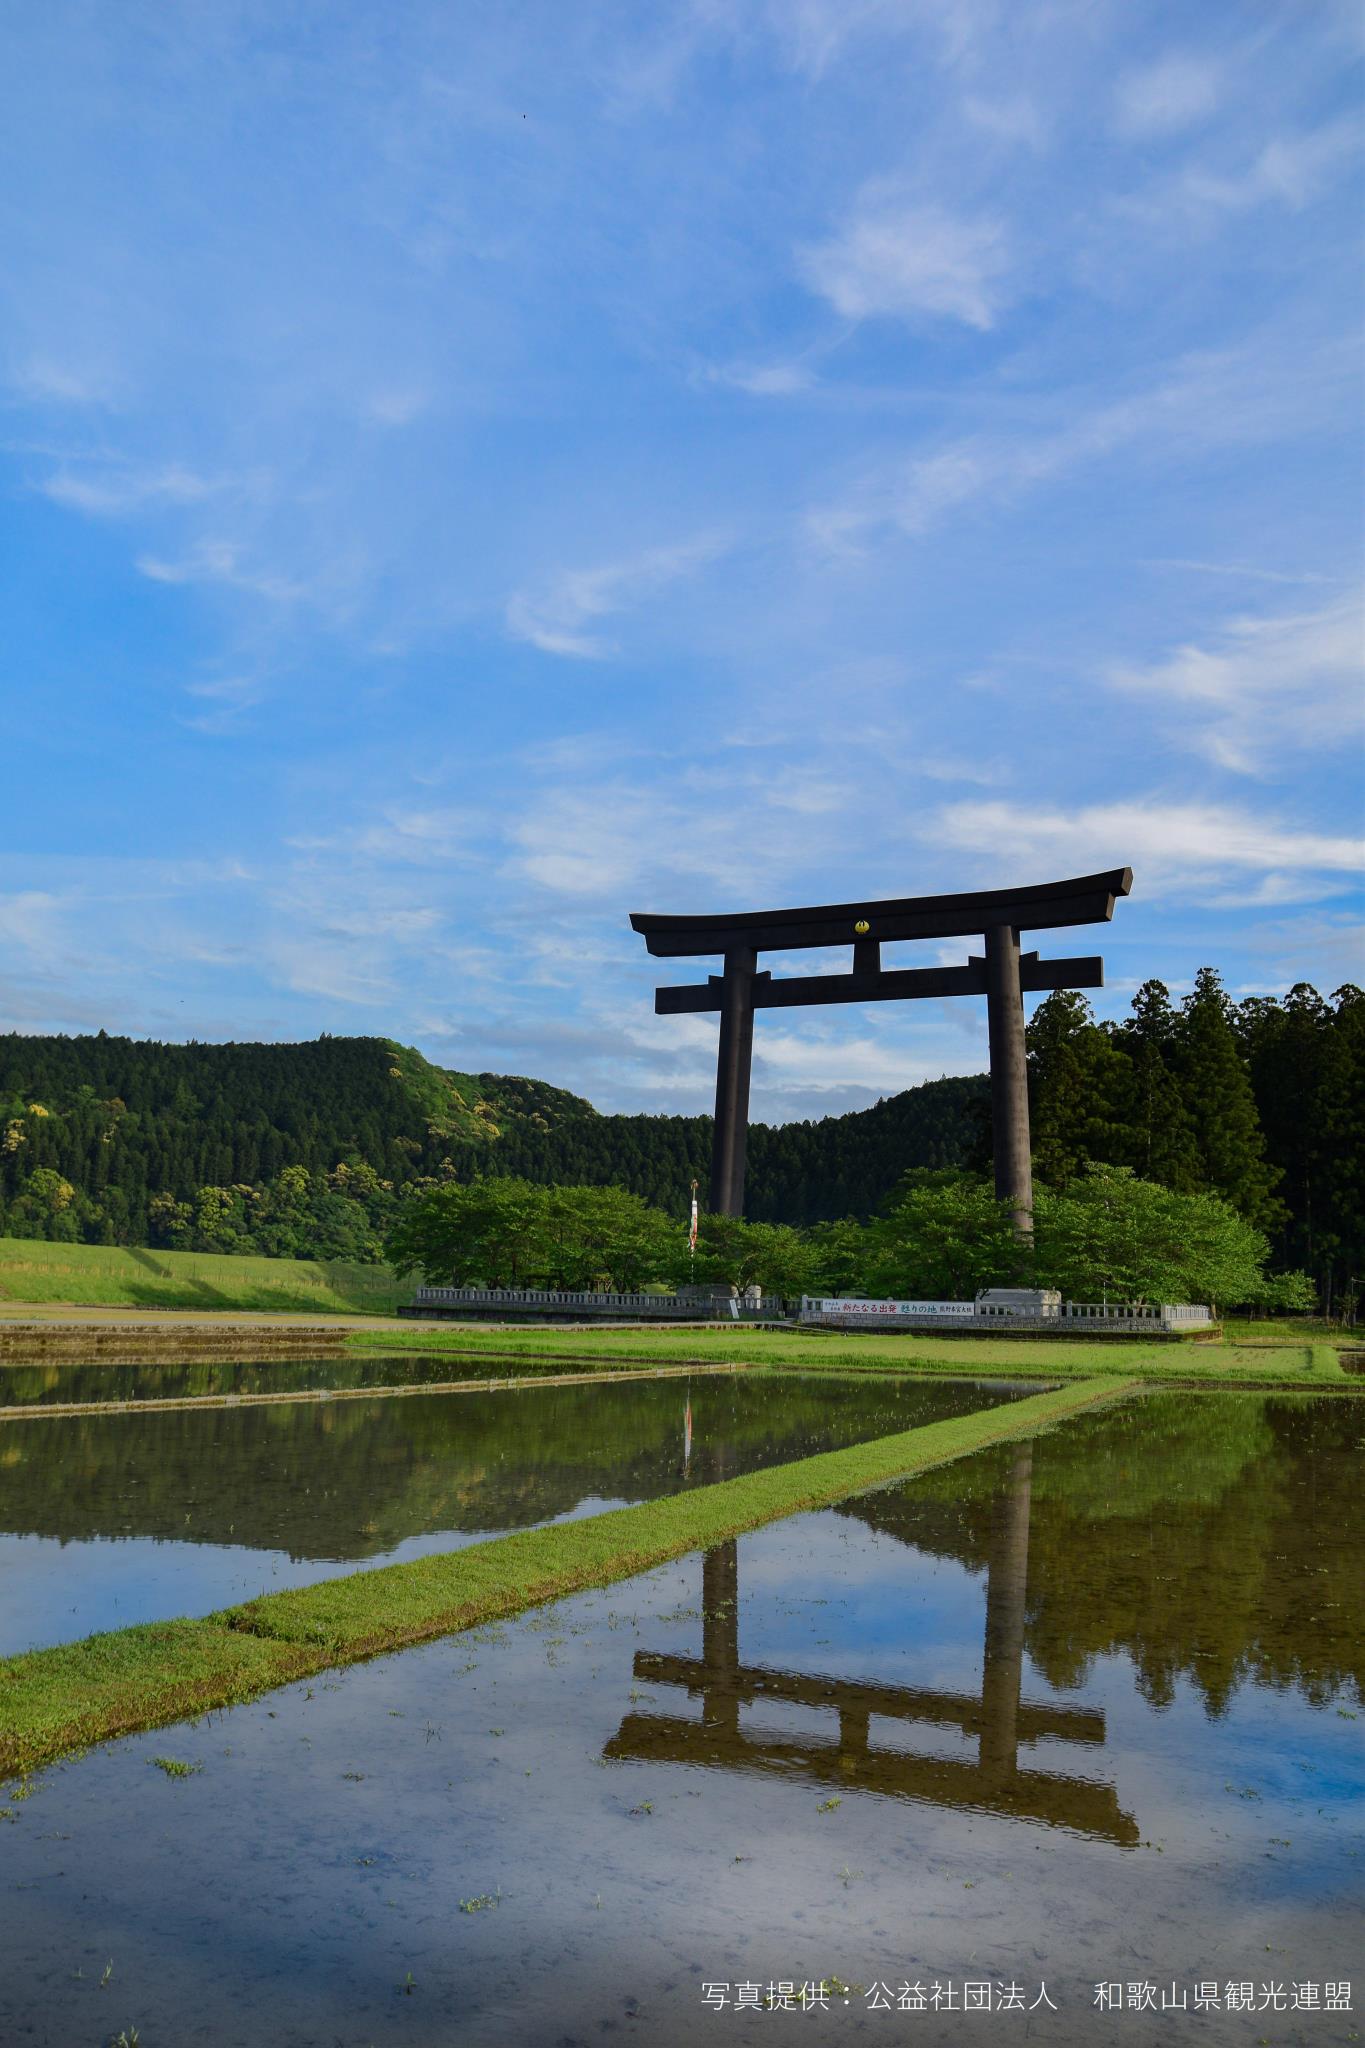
<point>1325,1363</point>
<point>1024,1358</point>
<point>56,1701</point>
<point>53,1702</point>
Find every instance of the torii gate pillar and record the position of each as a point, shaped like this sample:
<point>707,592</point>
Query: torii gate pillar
<point>733,1063</point>
<point>1009,1076</point>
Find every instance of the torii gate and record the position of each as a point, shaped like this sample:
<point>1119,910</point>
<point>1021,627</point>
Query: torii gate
<point>1003,975</point>
<point>998,1718</point>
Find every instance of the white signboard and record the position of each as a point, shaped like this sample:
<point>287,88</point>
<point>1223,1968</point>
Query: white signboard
<point>895,1308</point>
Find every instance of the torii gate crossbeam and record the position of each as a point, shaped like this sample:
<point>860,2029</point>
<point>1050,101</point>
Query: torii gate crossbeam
<point>1002,974</point>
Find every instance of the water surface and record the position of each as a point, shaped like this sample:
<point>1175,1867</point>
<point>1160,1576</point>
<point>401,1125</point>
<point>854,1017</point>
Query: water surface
<point>49,1384</point>
<point>1080,1713</point>
<point>123,1517</point>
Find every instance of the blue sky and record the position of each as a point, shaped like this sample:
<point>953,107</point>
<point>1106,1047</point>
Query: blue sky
<point>469,473</point>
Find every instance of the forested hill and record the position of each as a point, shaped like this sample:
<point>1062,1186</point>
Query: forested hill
<point>119,1140</point>
<point>310,1149</point>
<point>797,1173</point>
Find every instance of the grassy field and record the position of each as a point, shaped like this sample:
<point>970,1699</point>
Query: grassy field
<point>63,1699</point>
<point>1292,1329</point>
<point>1023,1357</point>
<point>122,1277</point>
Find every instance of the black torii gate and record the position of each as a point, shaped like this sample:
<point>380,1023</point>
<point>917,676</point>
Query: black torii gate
<point>1003,975</point>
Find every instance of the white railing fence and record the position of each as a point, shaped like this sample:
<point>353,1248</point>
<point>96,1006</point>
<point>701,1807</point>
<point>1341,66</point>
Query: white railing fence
<point>1099,1315</point>
<point>549,1299</point>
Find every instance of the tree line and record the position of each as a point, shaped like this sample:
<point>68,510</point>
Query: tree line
<point>1260,1102</point>
<point>313,1150</point>
<point>1108,1236</point>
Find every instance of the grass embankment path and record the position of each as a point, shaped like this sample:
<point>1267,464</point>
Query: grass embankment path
<point>34,1272</point>
<point>56,1701</point>
<point>1313,1365</point>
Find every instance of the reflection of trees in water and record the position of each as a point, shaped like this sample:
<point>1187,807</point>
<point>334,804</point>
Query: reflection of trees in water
<point>842,1749</point>
<point>1217,1537</point>
<point>352,1479</point>
<point>189,1380</point>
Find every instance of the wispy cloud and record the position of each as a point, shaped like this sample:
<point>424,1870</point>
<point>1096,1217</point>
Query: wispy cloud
<point>118,491</point>
<point>731,834</point>
<point>31,924</point>
<point>1244,571</point>
<point>1177,844</point>
<point>57,380</point>
<point>221,561</point>
<point>1208,399</point>
<point>1289,172</point>
<point>907,259</point>
<point>984,773</point>
<point>229,698</point>
<point>398,406</point>
<point>1264,685</point>
<point>557,618</point>
<point>1010,118</point>
<point>762,380</point>
<point>401,834</point>
<point>815,34</point>
<point>1161,98</point>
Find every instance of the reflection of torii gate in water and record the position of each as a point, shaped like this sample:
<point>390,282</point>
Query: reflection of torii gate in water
<point>999,1719</point>
<point>1003,975</point>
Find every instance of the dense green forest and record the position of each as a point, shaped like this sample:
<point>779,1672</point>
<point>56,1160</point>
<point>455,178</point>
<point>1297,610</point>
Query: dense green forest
<point>312,1149</point>
<point>309,1149</point>
<point>1261,1102</point>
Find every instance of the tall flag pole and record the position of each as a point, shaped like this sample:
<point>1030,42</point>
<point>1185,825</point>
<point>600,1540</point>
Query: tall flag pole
<point>692,1232</point>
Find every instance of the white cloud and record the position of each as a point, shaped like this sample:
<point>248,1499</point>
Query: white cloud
<point>1208,399</point>
<point>557,619</point>
<point>896,257</point>
<point>1247,570</point>
<point>46,379</point>
<point>1170,844</point>
<point>763,380</point>
<point>810,791</point>
<point>815,33</point>
<point>398,407</point>
<point>738,835</point>
<point>1013,119</point>
<point>1166,96</point>
<point>985,773</point>
<point>117,492</point>
<point>232,697</point>
<point>427,836</point>
<point>219,561</point>
<point>1274,890</point>
<point>29,924</point>
<point>1265,685</point>
<point>839,1062</point>
<point>1289,171</point>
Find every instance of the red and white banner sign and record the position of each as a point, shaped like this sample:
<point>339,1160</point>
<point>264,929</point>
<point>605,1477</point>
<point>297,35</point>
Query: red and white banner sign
<point>894,1308</point>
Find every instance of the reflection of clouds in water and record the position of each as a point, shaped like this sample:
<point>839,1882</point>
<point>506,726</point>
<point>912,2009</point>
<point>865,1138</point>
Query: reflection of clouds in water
<point>454,1815</point>
<point>180,1511</point>
<point>892,1604</point>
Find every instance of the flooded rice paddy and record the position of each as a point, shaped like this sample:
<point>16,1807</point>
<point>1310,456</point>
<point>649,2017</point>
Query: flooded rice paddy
<point>111,1519</point>
<point>1082,1712</point>
<point>52,1385</point>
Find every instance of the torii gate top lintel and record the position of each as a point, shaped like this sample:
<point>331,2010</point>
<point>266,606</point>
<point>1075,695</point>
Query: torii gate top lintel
<point>1045,906</point>
<point>1001,973</point>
